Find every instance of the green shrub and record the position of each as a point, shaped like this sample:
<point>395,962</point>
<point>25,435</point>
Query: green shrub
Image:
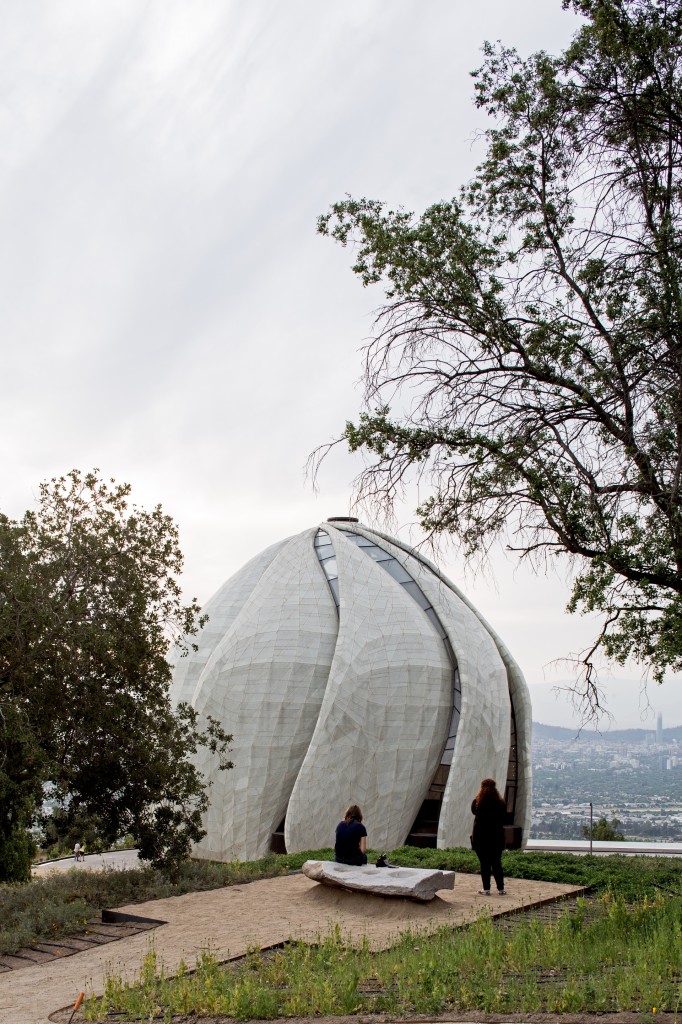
<point>17,850</point>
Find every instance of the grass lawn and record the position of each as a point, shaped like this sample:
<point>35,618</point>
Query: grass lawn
<point>54,906</point>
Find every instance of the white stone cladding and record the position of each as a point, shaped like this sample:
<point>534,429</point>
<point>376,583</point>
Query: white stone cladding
<point>335,707</point>
<point>221,609</point>
<point>385,714</point>
<point>518,694</point>
<point>482,747</point>
<point>264,681</point>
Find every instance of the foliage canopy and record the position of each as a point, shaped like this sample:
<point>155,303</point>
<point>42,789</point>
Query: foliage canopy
<point>531,343</point>
<point>89,608</point>
<point>604,831</point>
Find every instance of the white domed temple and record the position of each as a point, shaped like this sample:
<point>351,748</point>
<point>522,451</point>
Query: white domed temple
<point>350,670</point>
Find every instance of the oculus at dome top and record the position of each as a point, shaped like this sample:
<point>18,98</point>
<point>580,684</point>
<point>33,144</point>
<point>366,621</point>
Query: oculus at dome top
<point>350,670</point>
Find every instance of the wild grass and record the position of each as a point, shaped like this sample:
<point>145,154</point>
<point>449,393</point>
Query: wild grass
<point>620,957</point>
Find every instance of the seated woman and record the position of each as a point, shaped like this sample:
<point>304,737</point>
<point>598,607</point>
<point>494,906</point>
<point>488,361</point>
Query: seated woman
<point>351,838</point>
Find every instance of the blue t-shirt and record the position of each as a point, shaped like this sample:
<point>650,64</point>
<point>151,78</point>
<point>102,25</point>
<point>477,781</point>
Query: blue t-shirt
<point>348,836</point>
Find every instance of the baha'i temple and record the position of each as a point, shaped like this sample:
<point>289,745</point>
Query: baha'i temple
<point>351,670</point>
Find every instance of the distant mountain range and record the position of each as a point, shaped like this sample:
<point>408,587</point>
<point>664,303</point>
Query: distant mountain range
<point>559,732</point>
<point>630,704</point>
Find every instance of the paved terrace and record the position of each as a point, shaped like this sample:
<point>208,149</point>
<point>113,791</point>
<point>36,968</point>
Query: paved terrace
<point>261,913</point>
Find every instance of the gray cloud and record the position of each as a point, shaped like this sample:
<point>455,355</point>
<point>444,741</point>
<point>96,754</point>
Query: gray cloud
<point>169,313</point>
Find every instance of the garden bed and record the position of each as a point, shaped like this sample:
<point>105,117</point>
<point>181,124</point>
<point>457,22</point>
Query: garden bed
<point>595,956</point>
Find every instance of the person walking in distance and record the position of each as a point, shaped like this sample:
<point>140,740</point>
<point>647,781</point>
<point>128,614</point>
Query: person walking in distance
<point>490,812</point>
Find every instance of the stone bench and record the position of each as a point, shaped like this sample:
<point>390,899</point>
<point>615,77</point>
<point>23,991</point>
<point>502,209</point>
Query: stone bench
<point>409,883</point>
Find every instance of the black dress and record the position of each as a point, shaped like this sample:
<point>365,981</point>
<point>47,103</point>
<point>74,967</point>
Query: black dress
<point>490,814</point>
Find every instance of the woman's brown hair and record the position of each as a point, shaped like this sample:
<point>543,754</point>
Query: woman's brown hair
<point>353,813</point>
<point>488,788</point>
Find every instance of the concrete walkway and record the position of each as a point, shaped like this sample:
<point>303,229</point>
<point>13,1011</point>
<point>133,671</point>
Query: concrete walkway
<point>260,913</point>
<point>117,860</point>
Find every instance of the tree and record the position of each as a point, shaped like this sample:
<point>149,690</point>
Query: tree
<point>89,608</point>
<point>603,831</point>
<point>531,342</point>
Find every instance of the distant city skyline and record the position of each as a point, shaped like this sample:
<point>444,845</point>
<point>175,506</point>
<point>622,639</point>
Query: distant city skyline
<point>631,707</point>
<point>634,779</point>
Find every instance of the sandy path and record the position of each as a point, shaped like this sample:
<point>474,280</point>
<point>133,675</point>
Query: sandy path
<point>260,913</point>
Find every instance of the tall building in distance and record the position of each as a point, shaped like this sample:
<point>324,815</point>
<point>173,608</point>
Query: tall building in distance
<point>659,728</point>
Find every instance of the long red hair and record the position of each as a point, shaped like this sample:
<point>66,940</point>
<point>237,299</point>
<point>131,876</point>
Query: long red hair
<point>488,789</point>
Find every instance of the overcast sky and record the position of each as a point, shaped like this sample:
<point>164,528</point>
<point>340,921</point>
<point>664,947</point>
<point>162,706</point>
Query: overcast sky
<point>169,313</point>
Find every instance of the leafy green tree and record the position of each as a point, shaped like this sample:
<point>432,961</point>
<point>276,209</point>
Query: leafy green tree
<point>531,342</point>
<point>89,608</point>
<point>604,831</point>
<point>62,829</point>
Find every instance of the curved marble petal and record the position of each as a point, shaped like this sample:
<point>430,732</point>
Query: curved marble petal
<point>265,681</point>
<point>523,713</point>
<point>222,609</point>
<point>385,713</point>
<point>520,695</point>
<point>482,744</point>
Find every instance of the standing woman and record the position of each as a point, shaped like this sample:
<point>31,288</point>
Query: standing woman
<point>490,812</point>
<point>351,838</point>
